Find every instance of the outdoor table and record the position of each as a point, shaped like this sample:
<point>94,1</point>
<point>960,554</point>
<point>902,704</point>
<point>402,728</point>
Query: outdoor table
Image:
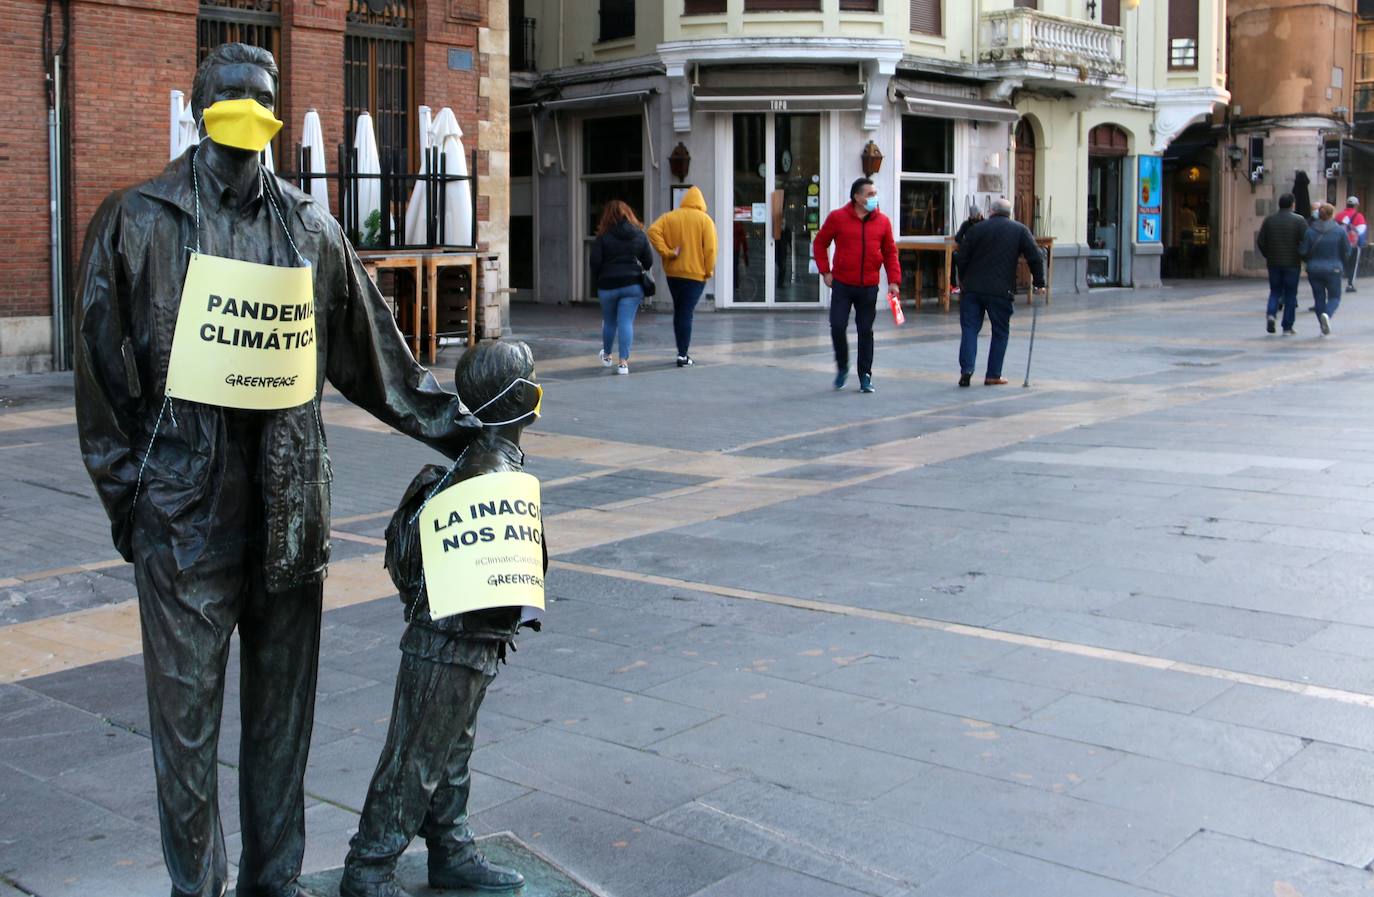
<point>944,248</point>
<point>425,268</point>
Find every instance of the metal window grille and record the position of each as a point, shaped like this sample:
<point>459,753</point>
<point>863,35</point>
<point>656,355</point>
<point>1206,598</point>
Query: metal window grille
<point>253,22</point>
<point>1182,53</point>
<point>522,49</point>
<point>379,53</point>
<point>926,18</point>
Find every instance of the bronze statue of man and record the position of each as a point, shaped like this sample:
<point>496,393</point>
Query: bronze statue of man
<point>224,512</point>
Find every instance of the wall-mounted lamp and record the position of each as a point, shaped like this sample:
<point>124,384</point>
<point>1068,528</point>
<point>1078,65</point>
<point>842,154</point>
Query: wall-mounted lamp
<point>680,161</point>
<point>1235,155</point>
<point>1092,9</point>
<point>871,159</point>
<point>1131,4</point>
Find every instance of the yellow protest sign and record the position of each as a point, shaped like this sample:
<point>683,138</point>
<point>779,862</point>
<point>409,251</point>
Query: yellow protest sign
<point>245,335</point>
<point>481,545</point>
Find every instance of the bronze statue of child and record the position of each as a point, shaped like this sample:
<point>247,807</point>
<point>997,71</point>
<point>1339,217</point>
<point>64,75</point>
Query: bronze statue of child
<point>420,786</point>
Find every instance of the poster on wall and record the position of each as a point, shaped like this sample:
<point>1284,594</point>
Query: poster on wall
<point>1149,200</point>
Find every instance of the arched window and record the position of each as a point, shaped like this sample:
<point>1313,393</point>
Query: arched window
<point>1108,140</point>
<point>253,22</point>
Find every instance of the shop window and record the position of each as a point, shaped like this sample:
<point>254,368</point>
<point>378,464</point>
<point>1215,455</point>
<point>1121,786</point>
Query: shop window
<point>253,22</point>
<point>927,145</point>
<point>703,7</point>
<point>379,54</point>
<point>925,192</point>
<point>926,18</point>
<point>617,20</point>
<point>1183,34</point>
<point>612,168</point>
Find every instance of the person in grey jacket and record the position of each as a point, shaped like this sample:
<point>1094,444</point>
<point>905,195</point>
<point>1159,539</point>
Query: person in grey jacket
<point>1326,249</point>
<point>1278,240</point>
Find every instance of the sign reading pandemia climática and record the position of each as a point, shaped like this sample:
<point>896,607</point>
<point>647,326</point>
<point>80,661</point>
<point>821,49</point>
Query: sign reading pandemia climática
<point>482,545</point>
<point>245,336</point>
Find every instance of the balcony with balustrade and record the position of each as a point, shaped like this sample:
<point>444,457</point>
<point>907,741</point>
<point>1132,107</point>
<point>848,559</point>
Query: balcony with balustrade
<point>1026,47</point>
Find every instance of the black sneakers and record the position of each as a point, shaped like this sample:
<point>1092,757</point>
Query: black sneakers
<point>685,361</point>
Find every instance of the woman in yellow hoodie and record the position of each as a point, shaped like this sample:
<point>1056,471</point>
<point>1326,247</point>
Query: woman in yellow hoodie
<point>686,240</point>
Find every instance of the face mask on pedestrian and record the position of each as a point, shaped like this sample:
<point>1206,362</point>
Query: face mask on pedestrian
<point>538,403</point>
<point>871,203</point>
<point>243,124</point>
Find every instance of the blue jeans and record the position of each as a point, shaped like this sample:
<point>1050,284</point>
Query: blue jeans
<point>864,301</point>
<point>1326,291</point>
<point>686,295</point>
<point>972,308</point>
<point>618,307</point>
<point>1283,290</point>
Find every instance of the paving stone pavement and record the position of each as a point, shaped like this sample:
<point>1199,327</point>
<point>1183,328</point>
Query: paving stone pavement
<point>1110,636</point>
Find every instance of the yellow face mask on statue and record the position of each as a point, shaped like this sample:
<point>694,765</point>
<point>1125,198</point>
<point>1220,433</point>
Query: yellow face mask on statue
<point>243,124</point>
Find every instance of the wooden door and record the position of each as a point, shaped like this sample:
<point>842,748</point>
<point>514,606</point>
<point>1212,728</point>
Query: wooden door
<point>1024,197</point>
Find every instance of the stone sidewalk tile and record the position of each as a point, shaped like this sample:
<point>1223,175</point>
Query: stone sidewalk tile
<point>840,842</point>
<point>612,715</point>
<point>635,783</point>
<point>1162,689</point>
<point>1296,715</point>
<point>819,767</point>
<point>1281,629</point>
<point>1311,824</point>
<point>989,871</point>
<point>616,855</point>
<point>1330,769</point>
<point>982,697</point>
<point>764,878</point>
<point>1192,740</point>
<point>1058,828</point>
<point>1295,663</point>
<point>1216,865</point>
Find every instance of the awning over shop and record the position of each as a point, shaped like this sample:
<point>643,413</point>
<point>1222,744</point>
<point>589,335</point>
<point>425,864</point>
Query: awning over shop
<point>965,108</point>
<point>779,99</point>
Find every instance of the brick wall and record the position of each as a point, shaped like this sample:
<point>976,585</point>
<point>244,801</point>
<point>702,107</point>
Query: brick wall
<point>24,223</point>
<point>128,54</point>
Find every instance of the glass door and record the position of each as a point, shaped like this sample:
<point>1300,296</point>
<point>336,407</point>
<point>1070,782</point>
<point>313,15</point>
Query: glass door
<point>776,208</point>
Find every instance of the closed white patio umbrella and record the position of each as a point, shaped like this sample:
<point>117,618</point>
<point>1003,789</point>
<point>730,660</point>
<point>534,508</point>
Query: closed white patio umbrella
<point>369,163</point>
<point>418,205</point>
<point>183,130</point>
<point>312,138</point>
<point>456,226</point>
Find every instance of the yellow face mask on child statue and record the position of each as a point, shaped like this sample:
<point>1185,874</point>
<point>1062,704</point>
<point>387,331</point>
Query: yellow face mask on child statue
<point>243,124</point>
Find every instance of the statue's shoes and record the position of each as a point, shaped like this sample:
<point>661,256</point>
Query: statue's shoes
<point>349,887</point>
<point>472,870</point>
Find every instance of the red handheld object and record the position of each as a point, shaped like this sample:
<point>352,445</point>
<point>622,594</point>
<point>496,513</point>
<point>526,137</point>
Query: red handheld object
<point>898,316</point>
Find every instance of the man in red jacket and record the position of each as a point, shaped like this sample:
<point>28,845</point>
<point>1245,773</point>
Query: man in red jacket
<point>863,247</point>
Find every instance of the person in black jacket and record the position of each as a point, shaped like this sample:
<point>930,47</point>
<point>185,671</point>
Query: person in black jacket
<point>1278,240</point>
<point>975,216</point>
<point>621,256</point>
<point>421,783</point>
<point>987,274</point>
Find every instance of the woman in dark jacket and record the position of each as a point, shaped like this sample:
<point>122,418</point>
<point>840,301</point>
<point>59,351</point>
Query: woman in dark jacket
<point>1324,247</point>
<point>620,255</point>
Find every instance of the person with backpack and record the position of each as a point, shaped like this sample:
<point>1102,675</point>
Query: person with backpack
<point>1357,232</point>
<point>620,262</point>
<point>1326,249</point>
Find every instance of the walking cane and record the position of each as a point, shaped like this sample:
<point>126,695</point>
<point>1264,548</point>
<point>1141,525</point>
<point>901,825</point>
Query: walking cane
<point>1035,314</point>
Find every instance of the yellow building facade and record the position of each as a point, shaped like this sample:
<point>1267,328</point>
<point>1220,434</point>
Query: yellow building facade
<point>773,107</point>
